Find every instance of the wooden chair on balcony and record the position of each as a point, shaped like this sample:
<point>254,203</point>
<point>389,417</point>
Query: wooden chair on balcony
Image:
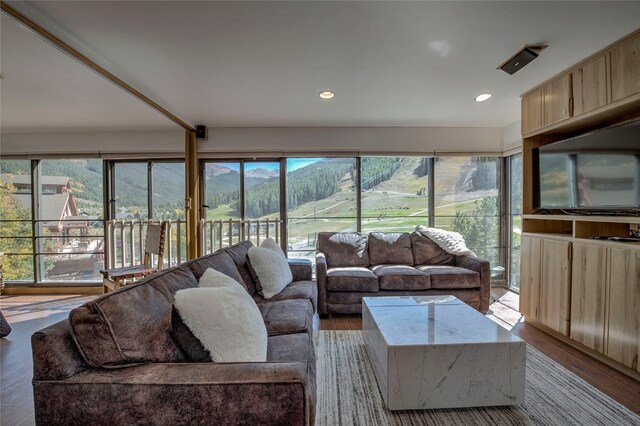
<point>113,279</point>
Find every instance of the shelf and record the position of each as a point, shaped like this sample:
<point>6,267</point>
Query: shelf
<point>583,218</point>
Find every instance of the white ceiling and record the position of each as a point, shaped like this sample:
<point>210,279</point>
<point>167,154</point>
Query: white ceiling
<point>263,64</point>
<point>45,90</point>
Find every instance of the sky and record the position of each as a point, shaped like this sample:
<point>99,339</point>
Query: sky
<point>292,164</point>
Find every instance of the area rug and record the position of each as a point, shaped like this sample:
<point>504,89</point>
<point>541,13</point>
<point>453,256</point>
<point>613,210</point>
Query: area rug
<point>348,394</point>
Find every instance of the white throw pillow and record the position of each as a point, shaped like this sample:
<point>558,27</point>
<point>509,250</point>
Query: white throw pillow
<point>272,270</point>
<point>213,278</point>
<point>227,322</point>
<point>271,244</point>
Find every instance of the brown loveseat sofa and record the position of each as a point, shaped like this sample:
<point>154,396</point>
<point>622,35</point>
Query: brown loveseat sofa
<point>353,265</point>
<point>116,362</point>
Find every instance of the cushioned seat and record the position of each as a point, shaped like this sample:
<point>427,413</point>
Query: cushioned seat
<point>352,278</point>
<point>296,348</point>
<point>451,276</point>
<point>287,316</point>
<point>296,290</point>
<point>401,277</point>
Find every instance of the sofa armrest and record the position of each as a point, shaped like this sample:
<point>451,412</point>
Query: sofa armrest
<point>483,268</point>
<point>301,269</point>
<point>180,393</point>
<point>321,278</point>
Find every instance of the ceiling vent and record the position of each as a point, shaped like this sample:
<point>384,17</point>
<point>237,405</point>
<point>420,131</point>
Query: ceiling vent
<point>521,58</point>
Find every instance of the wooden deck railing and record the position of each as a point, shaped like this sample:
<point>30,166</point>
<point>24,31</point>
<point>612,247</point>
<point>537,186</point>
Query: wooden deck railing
<point>125,238</point>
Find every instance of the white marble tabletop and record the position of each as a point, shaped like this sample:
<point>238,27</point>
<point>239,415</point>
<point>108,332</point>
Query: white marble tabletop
<point>433,320</point>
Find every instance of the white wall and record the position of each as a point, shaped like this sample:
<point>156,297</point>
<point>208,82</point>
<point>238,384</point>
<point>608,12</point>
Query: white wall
<point>243,142</point>
<point>362,140</point>
<point>97,143</point>
<point>511,137</point>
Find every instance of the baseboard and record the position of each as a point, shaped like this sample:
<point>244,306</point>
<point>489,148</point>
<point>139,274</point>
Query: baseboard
<point>584,349</point>
<point>43,290</point>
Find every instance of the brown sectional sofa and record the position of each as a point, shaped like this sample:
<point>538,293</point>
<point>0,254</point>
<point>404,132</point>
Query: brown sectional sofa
<point>353,265</point>
<point>116,362</point>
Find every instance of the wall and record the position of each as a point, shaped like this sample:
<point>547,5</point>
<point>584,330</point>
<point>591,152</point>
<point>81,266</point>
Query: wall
<point>381,140</point>
<point>260,142</point>
<point>511,138</point>
<point>107,144</point>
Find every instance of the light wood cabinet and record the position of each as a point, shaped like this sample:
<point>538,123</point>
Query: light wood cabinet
<point>625,69</point>
<point>589,284</point>
<point>545,274</point>
<point>531,111</point>
<point>556,100</point>
<point>530,249</point>
<point>624,316</point>
<point>590,86</point>
<point>555,281</point>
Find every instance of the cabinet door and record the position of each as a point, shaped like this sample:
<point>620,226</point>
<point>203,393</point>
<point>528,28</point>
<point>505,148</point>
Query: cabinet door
<point>590,86</point>
<point>557,96</point>
<point>530,253</point>
<point>531,105</point>
<point>624,316</point>
<point>589,295</point>
<point>625,69</point>
<point>554,285</point>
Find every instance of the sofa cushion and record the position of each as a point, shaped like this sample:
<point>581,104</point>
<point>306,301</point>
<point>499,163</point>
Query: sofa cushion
<point>390,248</point>
<point>297,348</point>
<point>351,279</point>
<point>133,324</point>
<point>344,248</point>
<point>401,277</point>
<point>287,316</point>
<point>451,276</point>
<point>238,253</point>
<point>220,261</point>
<point>305,290</point>
<point>426,252</point>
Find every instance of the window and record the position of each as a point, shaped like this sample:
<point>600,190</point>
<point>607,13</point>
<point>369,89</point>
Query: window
<point>514,163</point>
<point>242,202</point>
<point>70,222</point>
<point>16,231</point>
<point>147,191</point>
<point>321,196</point>
<point>222,190</point>
<point>131,191</point>
<point>467,200</point>
<point>395,193</point>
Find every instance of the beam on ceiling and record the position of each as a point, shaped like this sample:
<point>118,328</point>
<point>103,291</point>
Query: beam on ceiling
<point>39,31</point>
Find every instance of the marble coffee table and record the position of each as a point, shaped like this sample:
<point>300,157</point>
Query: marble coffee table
<point>438,352</point>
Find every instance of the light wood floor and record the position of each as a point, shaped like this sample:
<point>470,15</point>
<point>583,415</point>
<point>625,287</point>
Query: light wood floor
<point>27,314</point>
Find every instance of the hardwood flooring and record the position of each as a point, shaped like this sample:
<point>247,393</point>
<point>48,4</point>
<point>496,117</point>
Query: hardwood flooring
<point>27,314</point>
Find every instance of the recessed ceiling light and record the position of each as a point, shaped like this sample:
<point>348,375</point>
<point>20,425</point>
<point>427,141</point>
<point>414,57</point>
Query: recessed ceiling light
<point>483,97</point>
<point>327,94</point>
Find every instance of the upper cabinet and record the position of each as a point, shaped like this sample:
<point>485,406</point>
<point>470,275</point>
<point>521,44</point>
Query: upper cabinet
<point>625,69</point>
<point>589,83</point>
<point>600,87</point>
<point>556,105</point>
<point>532,111</point>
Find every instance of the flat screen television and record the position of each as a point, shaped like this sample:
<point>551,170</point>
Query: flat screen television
<point>598,171</point>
